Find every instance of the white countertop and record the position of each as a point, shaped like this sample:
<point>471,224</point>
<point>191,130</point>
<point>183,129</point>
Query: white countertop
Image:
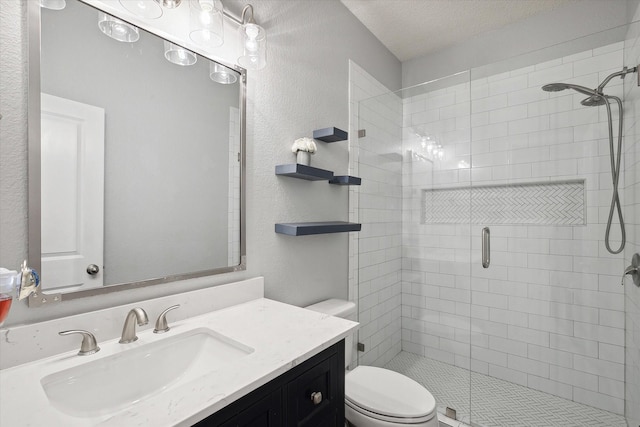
<point>282,336</point>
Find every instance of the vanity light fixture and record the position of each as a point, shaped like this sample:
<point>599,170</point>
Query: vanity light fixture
<point>205,20</point>
<point>221,74</point>
<point>179,55</point>
<point>117,29</point>
<point>53,4</point>
<point>206,26</point>
<point>253,42</point>
<point>148,9</point>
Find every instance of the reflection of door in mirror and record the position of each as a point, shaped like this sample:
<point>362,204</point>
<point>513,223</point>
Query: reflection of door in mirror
<point>72,193</point>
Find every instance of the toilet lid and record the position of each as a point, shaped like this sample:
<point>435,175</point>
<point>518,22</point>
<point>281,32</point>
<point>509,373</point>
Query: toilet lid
<point>388,393</point>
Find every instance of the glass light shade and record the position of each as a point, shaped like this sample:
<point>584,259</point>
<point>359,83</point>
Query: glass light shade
<point>253,45</point>
<point>205,20</point>
<point>221,74</point>
<point>53,4</point>
<point>179,55</point>
<point>169,4</point>
<point>117,29</point>
<point>147,9</point>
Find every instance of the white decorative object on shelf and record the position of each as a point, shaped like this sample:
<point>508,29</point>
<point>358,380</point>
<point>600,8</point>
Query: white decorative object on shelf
<point>304,147</point>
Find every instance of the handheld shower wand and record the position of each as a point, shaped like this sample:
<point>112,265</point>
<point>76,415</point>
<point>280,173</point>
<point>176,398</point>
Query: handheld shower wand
<point>596,97</point>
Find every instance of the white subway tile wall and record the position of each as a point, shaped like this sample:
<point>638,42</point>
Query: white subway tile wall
<point>631,202</point>
<point>375,253</point>
<point>549,312</point>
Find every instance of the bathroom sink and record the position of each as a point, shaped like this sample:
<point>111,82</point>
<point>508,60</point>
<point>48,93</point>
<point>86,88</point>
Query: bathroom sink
<point>114,382</point>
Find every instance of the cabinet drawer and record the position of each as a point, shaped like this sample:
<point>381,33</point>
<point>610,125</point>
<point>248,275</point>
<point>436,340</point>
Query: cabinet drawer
<point>321,380</point>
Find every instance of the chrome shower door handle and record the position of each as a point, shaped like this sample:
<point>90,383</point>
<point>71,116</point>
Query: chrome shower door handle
<point>486,247</point>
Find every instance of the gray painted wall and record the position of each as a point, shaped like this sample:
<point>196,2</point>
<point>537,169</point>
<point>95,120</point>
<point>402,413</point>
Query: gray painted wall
<point>166,134</point>
<point>574,20</point>
<point>304,87</point>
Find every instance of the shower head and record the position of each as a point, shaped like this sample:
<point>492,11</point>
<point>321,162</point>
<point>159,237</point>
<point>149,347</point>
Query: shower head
<point>594,101</point>
<point>557,87</point>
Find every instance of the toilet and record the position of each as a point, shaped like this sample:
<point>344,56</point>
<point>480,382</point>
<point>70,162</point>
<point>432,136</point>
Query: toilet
<point>377,397</point>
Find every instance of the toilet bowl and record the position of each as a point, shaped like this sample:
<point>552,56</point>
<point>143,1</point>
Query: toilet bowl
<point>378,397</point>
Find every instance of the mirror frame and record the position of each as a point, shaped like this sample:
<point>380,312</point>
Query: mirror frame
<point>41,298</point>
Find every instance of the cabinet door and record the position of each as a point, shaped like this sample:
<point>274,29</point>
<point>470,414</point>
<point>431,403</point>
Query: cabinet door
<point>265,412</point>
<point>302,410</point>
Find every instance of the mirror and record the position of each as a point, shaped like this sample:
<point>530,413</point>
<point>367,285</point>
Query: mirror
<point>136,164</point>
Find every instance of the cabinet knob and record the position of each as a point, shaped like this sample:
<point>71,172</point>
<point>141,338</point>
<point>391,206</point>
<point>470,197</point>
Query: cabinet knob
<point>316,397</point>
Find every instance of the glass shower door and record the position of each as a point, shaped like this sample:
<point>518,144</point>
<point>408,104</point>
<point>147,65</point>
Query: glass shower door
<point>547,309</point>
<point>414,247</point>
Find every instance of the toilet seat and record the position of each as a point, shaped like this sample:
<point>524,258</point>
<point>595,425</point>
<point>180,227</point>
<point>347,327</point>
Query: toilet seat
<point>388,396</point>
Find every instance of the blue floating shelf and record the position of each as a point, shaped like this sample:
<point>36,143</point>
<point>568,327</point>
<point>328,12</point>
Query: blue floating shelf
<point>309,173</point>
<point>345,180</point>
<point>330,134</point>
<point>309,228</point>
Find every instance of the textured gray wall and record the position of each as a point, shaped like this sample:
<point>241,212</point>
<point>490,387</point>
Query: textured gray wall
<point>576,19</point>
<point>304,87</point>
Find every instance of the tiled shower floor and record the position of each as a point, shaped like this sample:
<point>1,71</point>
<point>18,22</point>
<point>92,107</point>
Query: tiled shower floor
<point>497,402</point>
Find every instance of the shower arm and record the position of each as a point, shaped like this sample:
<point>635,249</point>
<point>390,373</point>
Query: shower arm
<point>620,74</point>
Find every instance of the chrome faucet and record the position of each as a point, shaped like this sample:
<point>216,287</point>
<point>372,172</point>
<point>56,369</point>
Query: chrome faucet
<point>136,315</point>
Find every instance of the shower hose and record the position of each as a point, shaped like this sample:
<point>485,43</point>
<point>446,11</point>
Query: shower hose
<point>615,176</point>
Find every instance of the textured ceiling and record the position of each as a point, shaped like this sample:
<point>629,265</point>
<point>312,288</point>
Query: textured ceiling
<point>412,28</point>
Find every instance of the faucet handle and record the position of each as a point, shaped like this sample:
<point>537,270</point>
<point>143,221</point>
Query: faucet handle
<point>88,346</point>
<point>161,323</point>
<point>633,270</point>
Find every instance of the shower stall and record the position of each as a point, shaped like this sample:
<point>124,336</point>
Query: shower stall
<point>482,270</point>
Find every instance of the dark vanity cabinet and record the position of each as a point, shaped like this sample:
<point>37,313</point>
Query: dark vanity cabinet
<point>308,395</point>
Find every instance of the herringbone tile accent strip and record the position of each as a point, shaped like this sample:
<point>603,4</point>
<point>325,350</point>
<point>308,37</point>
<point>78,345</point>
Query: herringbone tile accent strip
<point>495,402</point>
<point>553,203</point>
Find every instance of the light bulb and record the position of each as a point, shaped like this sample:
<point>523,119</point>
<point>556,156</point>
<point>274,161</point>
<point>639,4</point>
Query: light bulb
<point>251,45</point>
<point>205,18</point>
<point>252,55</point>
<point>206,5</point>
<point>252,31</point>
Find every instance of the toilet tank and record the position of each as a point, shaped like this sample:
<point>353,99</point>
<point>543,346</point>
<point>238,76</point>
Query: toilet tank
<point>343,309</point>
